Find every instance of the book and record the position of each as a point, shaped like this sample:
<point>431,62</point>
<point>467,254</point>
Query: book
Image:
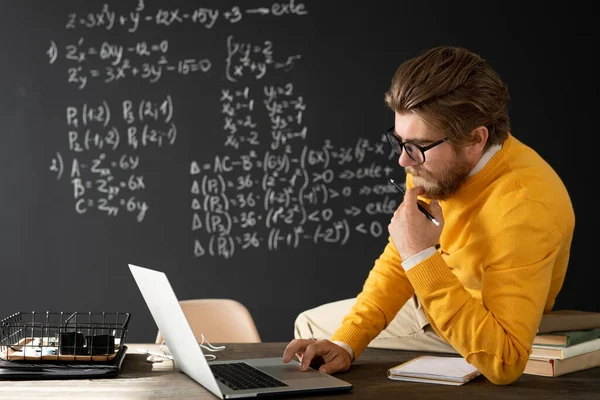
<point>566,338</point>
<point>12,370</point>
<point>435,369</point>
<point>555,367</point>
<point>541,351</point>
<point>569,320</point>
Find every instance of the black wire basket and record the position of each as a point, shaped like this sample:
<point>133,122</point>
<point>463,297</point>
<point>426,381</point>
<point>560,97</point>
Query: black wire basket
<point>62,336</point>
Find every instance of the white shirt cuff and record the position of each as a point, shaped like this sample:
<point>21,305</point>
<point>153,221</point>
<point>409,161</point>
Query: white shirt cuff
<point>345,347</point>
<point>417,258</point>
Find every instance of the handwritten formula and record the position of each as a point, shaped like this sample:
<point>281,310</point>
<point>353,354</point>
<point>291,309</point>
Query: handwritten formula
<point>275,181</point>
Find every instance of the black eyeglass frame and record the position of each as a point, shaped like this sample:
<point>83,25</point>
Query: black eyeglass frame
<point>398,146</point>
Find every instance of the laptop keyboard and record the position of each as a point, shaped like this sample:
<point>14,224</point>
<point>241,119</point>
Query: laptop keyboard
<point>240,376</point>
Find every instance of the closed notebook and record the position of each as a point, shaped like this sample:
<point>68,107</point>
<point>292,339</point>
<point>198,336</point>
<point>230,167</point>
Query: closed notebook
<point>569,320</point>
<point>541,351</point>
<point>566,338</point>
<point>554,367</point>
<point>435,369</point>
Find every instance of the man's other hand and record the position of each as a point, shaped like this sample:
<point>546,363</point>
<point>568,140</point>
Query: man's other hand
<point>323,355</point>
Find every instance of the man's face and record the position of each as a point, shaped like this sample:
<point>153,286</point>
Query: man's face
<point>445,167</point>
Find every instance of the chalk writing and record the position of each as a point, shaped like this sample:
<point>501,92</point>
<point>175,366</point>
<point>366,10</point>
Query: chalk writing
<point>268,183</point>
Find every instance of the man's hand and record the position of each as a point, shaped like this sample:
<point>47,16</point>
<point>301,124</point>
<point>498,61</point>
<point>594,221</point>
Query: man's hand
<point>328,357</point>
<point>410,230</point>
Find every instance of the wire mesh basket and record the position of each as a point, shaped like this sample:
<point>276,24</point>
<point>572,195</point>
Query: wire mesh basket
<point>62,336</point>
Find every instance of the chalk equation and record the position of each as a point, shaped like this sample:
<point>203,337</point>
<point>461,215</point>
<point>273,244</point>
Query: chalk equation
<point>271,179</point>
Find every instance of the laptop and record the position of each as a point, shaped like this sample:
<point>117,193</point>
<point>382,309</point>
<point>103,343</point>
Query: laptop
<point>226,379</point>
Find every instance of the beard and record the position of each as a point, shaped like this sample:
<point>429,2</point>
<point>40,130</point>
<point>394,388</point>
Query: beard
<point>444,181</point>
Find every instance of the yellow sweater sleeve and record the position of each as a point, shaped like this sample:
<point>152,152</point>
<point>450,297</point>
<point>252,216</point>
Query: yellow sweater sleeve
<point>495,333</point>
<point>504,253</point>
<point>384,292</point>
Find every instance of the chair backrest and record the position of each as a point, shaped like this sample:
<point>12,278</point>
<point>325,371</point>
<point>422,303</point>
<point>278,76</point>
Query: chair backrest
<point>220,320</point>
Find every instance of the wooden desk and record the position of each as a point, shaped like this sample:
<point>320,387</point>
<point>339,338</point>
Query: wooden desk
<point>138,380</point>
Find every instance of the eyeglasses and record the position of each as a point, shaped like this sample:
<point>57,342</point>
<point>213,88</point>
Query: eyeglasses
<point>414,151</point>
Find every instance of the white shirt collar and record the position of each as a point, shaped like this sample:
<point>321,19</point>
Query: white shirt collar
<point>489,153</point>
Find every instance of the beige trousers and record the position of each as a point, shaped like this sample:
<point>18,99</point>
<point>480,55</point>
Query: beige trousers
<point>409,330</point>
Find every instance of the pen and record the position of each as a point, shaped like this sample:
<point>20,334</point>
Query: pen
<point>423,210</point>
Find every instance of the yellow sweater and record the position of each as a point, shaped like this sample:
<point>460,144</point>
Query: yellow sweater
<point>502,260</point>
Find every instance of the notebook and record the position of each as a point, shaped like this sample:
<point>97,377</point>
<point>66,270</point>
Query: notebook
<point>555,367</point>
<point>566,338</point>
<point>226,379</point>
<point>569,320</point>
<point>14,370</point>
<point>541,351</point>
<point>435,369</point>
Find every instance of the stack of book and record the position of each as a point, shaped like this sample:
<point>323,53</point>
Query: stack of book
<point>567,341</point>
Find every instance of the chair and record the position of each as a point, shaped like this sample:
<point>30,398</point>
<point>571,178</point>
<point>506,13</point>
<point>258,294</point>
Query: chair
<point>220,320</point>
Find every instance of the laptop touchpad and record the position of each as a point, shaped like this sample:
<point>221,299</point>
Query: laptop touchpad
<point>288,372</point>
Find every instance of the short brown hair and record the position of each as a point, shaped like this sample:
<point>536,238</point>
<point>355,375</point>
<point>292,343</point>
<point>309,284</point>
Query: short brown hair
<point>454,91</point>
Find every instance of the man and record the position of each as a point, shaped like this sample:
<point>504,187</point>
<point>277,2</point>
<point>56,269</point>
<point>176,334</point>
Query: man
<point>479,283</point>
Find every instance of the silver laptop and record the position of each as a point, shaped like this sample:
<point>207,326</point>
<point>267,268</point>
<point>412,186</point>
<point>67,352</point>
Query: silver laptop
<point>226,379</point>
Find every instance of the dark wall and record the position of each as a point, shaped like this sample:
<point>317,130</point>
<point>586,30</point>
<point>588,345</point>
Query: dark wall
<point>243,155</point>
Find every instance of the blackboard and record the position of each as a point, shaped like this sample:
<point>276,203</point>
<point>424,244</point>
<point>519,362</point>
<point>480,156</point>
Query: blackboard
<point>237,146</point>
